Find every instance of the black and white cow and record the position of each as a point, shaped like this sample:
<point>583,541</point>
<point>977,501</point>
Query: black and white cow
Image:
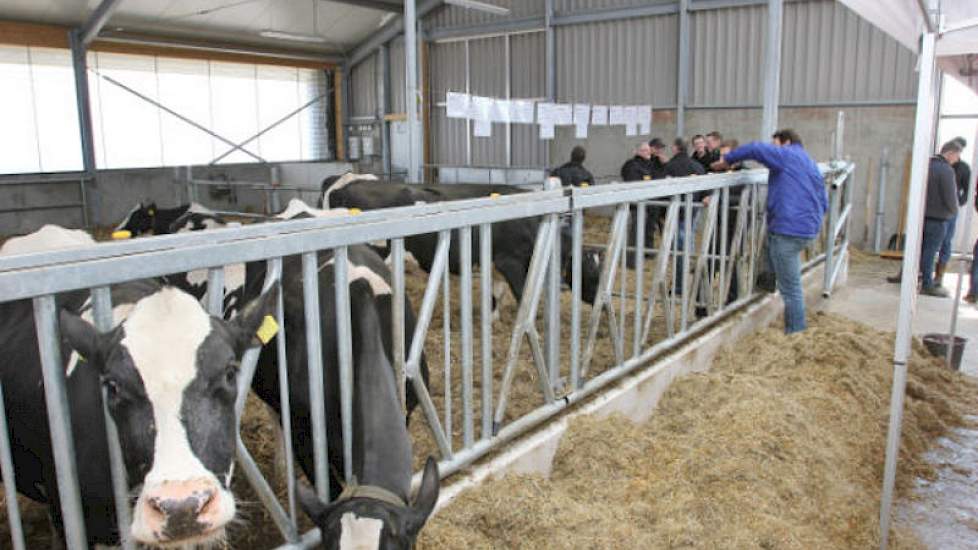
<point>363,264</point>
<point>376,512</point>
<point>170,373</point>
<point>512,240</point>
<point>149,219</point>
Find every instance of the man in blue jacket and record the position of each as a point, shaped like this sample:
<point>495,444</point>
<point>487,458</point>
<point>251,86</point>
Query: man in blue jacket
<point>796,204</point>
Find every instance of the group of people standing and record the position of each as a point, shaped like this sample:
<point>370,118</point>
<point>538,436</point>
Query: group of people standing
<point>796,199</point>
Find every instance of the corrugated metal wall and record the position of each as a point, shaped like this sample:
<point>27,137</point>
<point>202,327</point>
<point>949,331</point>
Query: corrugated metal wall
<point>829,55</point>
<point>562,7</point>
<point>363,87</point>
<point>632,61</point>
<point>452,16</point>
<point>398,87</point>
<point>832,55</point>
<point>487,77</point>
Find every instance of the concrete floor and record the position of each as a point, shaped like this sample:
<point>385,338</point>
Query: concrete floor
<point>868,298</point>
<point>944,512</point>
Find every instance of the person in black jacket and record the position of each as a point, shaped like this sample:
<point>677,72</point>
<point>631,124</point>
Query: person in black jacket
<point>639,167</point>
<point>714,141</point>
<point>700,154</point>
<point>679,166</point>
<point>573,172</point>
<point>962,175</point>
<point>659,158</point>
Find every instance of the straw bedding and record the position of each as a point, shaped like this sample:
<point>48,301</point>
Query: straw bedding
<point>780,445</point>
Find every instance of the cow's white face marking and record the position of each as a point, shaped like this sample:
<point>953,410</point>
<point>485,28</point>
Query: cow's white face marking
<point>125,221</point>
<point>165,356</point>
<point>199,208</point>
<point>164,353</point>
<point>343,181</point>
<point>358,533</point>
<point>49,237</point>
<point>377,283</point>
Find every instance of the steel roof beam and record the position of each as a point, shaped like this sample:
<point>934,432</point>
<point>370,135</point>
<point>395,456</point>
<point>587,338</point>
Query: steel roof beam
<point>97,20</point>
<point>382,5</point>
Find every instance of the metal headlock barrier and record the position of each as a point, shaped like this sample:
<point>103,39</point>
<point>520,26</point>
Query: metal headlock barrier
<point>710,245</point>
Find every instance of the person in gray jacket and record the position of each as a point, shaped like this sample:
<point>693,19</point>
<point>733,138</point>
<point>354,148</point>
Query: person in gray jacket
<point>941,205</point>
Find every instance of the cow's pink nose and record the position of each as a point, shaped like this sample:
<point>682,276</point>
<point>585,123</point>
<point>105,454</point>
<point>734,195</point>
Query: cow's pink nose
<point>176,510</point>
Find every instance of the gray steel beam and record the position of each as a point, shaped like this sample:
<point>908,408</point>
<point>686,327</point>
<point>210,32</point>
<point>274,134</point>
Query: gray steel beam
<point>682,85</point>
<point>97,20</point>
<point>217,47</point>
<point>698,5</point>
<point>411,96</point>
<point>383,104</point>
<point>551,53</point>
<point>615,14</point>
<point>510,26</point>
<point>86,133</point>
<point>387,33</point>
<point>772,66</point>
<point>382,5</point>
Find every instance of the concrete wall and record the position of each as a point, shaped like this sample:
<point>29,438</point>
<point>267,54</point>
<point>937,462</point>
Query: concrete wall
<point>118,190</point>
<point>867,131</point>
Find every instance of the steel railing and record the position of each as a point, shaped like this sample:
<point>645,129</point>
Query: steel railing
<point>698,233</point>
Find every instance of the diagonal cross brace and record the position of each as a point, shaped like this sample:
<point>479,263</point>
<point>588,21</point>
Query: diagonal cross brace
<point>669,232</point>
<point>606,282</point>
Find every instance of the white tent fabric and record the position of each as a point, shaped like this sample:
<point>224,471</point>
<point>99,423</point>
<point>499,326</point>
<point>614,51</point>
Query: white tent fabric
<point>957,50</point>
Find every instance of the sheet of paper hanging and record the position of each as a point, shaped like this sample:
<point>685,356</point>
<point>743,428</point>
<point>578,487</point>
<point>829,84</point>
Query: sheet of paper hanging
<point>645,119</point>
<point>631,120</point>
<point>457,105</point>
<point>616,115</point>
<point>599,115</point>
<point>563,114</point>
<point>480,107</point>
<point>500,111</point>
<point>522,111</point>
<point>545,114</point>
<point>546,131</point>
<point>582,115</point>
<point>367,146</point>
<point>482,128</point>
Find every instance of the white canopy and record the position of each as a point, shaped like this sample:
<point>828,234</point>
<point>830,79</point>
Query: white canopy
<point>957,46</point>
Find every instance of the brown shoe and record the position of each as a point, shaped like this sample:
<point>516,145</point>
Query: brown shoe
<point>971,298</point>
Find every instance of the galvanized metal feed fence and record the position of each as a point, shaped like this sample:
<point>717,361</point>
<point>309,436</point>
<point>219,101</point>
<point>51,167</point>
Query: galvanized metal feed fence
<point>720,241</point>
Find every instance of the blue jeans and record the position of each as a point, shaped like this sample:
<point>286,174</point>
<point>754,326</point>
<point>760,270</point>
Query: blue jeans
<point>934,231</point>
<point>783,256</point>
<point>944,256</point>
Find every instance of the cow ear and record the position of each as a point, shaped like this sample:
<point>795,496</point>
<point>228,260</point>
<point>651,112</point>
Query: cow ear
<point>311,505</point>
<point>246,325</point>
<point>81,337</point>
<point>427,497</point>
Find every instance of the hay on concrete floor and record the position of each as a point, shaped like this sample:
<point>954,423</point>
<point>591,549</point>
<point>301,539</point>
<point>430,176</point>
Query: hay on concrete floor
<point>780,445</point>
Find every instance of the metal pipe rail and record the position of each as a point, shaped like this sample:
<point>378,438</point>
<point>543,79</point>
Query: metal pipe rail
<point>729,247</point>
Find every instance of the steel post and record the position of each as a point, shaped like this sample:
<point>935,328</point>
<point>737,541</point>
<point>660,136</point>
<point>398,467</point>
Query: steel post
<point>465,305</point>
<point>446,305</point>
<point>772,68</point>
<point>880,202</point>
<point>485,287</point>
<point>577,236</point>
<point>640,214</point>
<point>397,321</point>
<point>908,288</point>
<point>683,68</point>
<point>59,420</point>
<point>344,340</point>
<point>286,405</point>
<point>314,362</point>
<point>9,486</point>
<point>412,96</point>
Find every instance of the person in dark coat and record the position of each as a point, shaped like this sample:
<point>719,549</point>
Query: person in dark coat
<point>941,206</point>
<point>962,175</point>
<point>680,166</point>
<point>714,141</point>
<point>639,167</point>
<point>700,154</point>
<point>573,172</point>
<point>659,158</point>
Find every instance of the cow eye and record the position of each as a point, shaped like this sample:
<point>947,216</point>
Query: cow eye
<point>231,373</point>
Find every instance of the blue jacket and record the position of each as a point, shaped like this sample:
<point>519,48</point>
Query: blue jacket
<point>796,197</point>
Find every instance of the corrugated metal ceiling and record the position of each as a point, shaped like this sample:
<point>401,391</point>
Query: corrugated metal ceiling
<point>341,25</point>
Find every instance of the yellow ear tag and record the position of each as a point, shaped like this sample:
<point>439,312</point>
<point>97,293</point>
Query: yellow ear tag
<point>121,235</point>
<point>151,212</point>
<point>585,184</point>
<point>354,211</point>
<point>494,195</point>
<point>646,178</point>
<point>267,330</point>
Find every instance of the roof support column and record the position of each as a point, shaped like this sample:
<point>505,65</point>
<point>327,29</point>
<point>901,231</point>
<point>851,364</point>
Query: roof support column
<point>923,137</point>
<point>412,96</point>
<point>383,104</point>
<point>772,62</point>
<point>682,89</point>
<point>550,62</point>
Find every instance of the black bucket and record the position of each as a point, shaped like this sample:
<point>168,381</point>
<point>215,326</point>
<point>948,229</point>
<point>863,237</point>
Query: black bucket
<point>937,345</point>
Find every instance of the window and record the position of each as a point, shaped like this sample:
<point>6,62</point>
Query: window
<point>236,101</point>
<point>38,113</point>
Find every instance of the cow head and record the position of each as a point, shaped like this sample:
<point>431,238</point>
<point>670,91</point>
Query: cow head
<point>372,521</point>
<point>590,274</point>
<point>139,220</point>
<point>170,375</point>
